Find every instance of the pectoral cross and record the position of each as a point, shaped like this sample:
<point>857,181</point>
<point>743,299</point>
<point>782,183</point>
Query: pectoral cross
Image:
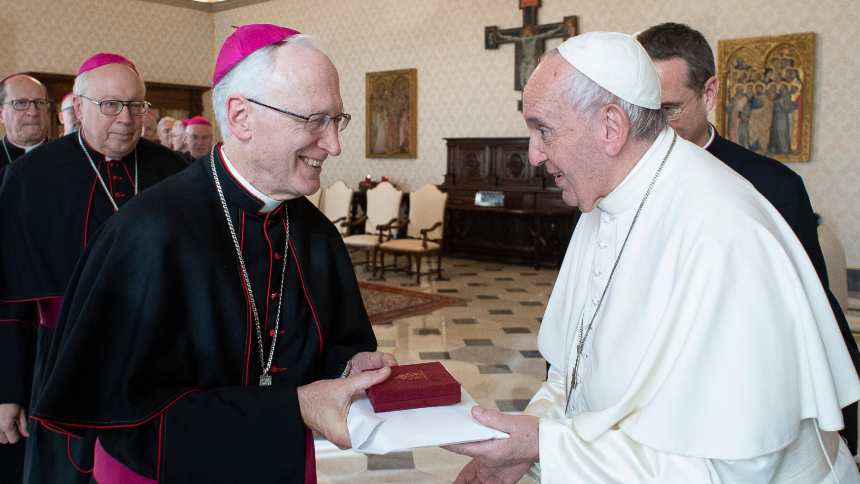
<point>528,40</point>
<point>265,380</point>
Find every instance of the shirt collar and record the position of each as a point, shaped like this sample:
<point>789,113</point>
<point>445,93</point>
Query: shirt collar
<point>25,148</point>
<point>713,133</point>
<point>269,204</point>
<point>630,192</point>
<point>96,154</point>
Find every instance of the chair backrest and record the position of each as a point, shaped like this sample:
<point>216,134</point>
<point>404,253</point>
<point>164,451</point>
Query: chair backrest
<point>383,204</point>
<point>426,207</point>
<point>337,201</point>
<point>315,198</point>
<point>834,258</point>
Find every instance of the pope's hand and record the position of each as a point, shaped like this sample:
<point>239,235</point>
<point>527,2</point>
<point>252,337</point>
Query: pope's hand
<point>476,472</point>
<point>325,404</point>
<point>13,423</point>
<point>520,449</point>
<point>371,361</point>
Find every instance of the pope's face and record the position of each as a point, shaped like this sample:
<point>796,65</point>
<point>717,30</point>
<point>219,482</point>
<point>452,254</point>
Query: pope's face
<point>559,138</point>
<point>28,127</point>
<point>112,136</point>
<point>304,82</point>
<point>692,122</point>
<point>165,134</point>
<point>199,139</point>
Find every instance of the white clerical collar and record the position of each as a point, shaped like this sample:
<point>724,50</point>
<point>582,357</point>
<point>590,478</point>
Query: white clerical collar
<point>629,193</point>
<point>713,133</point>
<point>25,148</point>
<point>269,205</point>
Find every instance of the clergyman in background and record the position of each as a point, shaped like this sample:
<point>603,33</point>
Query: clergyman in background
<point>685,65</point>
<point>67,115</point>
<point>165,131</point>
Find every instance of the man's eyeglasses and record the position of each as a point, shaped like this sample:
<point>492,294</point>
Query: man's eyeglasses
<point>69,108</point>
<point>112,107</point>
<point>674,112</point>
<point>315,123</point>
<point>204,137</point>
<point>24,104</point>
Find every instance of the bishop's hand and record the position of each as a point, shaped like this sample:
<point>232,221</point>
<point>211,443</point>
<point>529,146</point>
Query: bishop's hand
<point>13,423</point>
<point>325,404</point>
<point>371,361</point>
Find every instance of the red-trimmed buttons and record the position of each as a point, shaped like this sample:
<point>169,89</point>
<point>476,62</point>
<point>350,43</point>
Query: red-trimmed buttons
<point>274,296</point>
<point>277,256</point>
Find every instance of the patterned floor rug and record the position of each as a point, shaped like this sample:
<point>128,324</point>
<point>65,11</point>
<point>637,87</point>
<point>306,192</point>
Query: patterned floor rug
<point>385,304</point>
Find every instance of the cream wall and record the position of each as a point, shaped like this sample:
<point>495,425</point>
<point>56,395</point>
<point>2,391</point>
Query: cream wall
<point>166,44</point>
<point>465,91</point>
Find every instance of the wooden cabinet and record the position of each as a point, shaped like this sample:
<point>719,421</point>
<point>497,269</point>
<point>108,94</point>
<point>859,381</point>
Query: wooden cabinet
<point>534,221</point>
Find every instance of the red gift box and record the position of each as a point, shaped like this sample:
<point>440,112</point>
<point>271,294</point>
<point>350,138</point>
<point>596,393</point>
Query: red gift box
<point>415,386</point>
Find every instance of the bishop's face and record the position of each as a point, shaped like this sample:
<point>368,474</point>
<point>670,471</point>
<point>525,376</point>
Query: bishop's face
<point>149,127</point>
<point>30,126</point>
<point>178,137</point>
<point>112,136</point>
<point>70,122</point>
<point>288,158</point>
<point>165,134</point>
<point>561,139</point>
<point>199,139</point>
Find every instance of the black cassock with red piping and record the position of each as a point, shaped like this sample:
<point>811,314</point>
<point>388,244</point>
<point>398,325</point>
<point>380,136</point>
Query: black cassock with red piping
<point>51,204</point>
<point>157,348</point>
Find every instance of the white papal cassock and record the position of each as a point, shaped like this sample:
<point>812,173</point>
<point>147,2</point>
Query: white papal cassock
<point>715,355</point>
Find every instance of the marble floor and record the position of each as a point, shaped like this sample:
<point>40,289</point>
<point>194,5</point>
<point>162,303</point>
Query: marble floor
<point>489,345</point>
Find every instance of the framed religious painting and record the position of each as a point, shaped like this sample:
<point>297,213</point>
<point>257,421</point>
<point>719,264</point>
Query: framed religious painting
<point>766,94</point>
<point>392,114</point>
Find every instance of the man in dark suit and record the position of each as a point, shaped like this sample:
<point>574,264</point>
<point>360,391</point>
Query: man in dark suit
<point>685,65</point>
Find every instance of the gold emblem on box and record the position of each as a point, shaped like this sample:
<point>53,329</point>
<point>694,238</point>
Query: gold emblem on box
<point>418,375</point>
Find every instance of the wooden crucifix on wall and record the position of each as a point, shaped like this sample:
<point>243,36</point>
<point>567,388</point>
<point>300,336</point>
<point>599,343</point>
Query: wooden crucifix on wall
<point>528,40</point>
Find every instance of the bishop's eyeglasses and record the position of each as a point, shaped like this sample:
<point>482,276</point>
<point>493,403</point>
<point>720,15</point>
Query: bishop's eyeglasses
<point>315,123</point>
<point>112,107</point>
<point>24,104</point>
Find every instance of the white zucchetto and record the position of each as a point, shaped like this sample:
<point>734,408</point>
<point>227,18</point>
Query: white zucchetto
<point>617,63</point>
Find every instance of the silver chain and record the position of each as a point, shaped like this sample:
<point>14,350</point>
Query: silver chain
<point>265,379</point>
<point>583,337</point>
<point>110,197</point>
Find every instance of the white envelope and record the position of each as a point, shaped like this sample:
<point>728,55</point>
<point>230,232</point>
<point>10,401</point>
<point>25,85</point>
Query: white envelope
<point>381,433</point>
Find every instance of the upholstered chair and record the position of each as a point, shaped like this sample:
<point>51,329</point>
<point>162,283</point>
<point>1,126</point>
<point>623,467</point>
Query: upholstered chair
<point>336,204</point>
<point>424,230</point>
<point>383,207</point>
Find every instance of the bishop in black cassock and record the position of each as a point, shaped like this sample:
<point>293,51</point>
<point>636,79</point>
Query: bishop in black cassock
<point>54,201</point>
<point>204,330</point>
<point>24,113</point>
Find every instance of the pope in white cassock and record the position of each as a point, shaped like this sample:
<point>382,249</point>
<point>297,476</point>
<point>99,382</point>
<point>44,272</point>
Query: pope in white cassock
<point>689,337</point>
